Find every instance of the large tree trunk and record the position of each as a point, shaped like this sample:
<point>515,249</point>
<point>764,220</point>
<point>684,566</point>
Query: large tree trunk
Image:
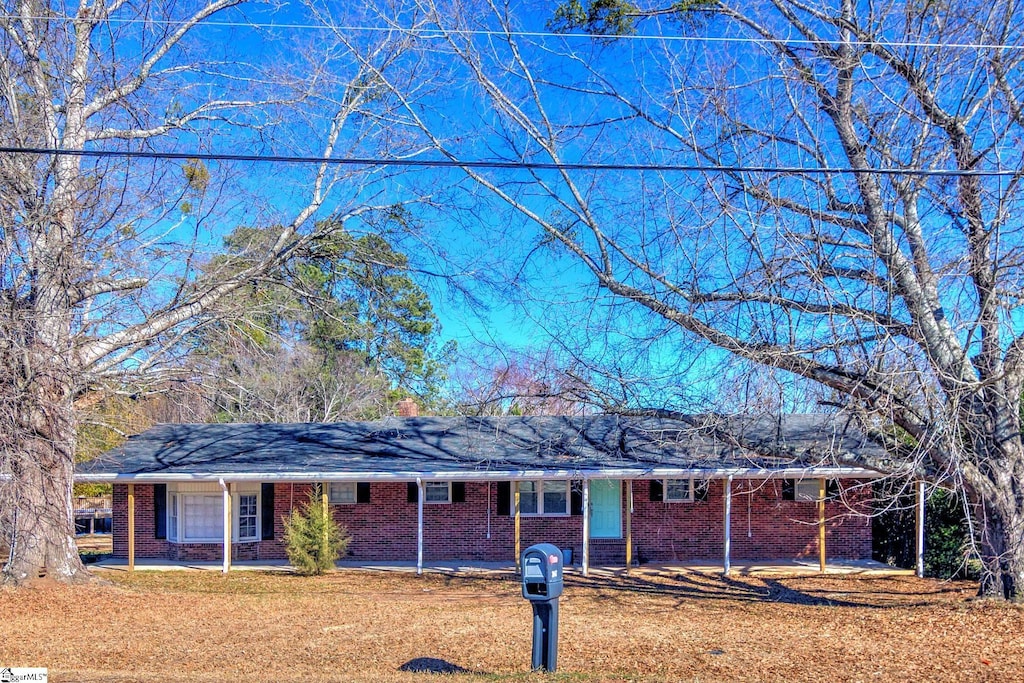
<point>993,468</point>
<point>43,529</point>
<point>1002,549</point>
<point>40,461</point>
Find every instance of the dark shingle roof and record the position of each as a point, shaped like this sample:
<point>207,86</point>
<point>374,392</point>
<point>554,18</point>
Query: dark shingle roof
<point>409,446</point>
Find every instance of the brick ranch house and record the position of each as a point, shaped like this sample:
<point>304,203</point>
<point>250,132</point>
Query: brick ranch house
<point>440,489</point>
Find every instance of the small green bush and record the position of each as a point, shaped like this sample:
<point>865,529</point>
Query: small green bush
<point>313,540</point>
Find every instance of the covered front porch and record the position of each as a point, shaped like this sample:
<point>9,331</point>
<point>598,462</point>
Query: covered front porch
<point>607,531</point>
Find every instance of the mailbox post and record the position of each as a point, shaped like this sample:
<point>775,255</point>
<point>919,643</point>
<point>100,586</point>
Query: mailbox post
<point>542,586</point>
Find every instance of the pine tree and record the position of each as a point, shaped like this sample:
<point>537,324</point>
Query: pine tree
<point>313,540</point>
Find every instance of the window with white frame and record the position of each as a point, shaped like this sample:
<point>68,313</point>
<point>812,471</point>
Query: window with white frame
<point>544,497</point>
<point>806,490</point>
<point>204,517</point>
<point>172,516</point>
<point>195,514</point>
<point>248,521</point>
<point>342,492</point>
<point>679,490</point>
<point>437,492</point>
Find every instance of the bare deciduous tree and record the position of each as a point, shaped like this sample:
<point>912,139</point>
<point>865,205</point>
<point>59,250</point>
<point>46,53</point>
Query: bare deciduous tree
<point>99,260</point>
<point>854,224</point>
<point>515,382</point>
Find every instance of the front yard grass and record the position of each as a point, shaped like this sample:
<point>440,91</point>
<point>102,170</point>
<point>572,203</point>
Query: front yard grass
<point>355,625</point>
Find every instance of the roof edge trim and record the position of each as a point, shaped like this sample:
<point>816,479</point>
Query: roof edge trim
<point>494,475</point>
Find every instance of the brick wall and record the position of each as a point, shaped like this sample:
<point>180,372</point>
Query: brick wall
<point>146,545</point>
<point>212,552</point>
<point>763,527</point>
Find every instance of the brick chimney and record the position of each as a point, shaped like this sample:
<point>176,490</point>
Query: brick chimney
<point>407,408</point>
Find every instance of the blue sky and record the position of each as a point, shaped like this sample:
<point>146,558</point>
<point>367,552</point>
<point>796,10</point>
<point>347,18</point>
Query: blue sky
<point>527,296</point>
<point>522,291</point>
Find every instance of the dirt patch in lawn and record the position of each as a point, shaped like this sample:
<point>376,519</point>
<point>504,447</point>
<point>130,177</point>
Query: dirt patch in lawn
<point>374,626</point>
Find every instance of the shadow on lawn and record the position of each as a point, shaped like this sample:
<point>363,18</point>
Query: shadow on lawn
<point>433,665</point>
<point>700,586</point>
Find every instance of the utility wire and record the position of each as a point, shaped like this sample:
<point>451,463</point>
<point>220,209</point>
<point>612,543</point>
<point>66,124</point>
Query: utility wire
<point>438,33</point>
<point>497,164</point>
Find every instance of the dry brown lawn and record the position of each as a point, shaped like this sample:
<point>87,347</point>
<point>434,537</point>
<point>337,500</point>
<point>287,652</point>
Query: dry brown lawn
<point>371,626</point>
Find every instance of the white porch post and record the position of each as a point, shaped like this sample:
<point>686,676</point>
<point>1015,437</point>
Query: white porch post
<point>419,526</point>
<point>727,528</point>
<point>586,527</point>
<point>518,529</point>
<point>226,488</point>
<point>920,528</point>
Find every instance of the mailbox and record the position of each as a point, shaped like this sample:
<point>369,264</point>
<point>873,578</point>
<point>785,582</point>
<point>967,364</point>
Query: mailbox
<point>542,585</point>
<point>542,572</point>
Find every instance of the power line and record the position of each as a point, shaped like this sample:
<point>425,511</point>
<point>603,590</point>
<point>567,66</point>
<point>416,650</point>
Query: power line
<point>511,165</point>
<point>438,33</point>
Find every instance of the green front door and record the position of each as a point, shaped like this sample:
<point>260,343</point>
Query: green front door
<point>605,508</point>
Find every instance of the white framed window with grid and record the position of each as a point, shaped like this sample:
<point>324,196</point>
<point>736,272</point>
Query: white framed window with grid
<point>172,516</point>
<point>544,498</point>
<point>342,492</point>
<point>437,492</point>
<point>806,490</point>
<point>679,490</point>
<point>195,513</point>
<point>248,517</point>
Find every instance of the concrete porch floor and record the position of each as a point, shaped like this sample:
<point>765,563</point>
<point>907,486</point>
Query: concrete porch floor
<point>775,568</point>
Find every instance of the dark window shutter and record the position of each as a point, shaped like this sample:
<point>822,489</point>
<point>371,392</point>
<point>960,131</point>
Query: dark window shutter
<point>363,492</point>
<point>267,511</point>
<point>788,489</point>
<point>504,498</point>
<point>576,498</point>
<point>160,510</point>
<point>411,493</point>
<point>458,492</point>
<point>657,490</point>
<point>700,489</point>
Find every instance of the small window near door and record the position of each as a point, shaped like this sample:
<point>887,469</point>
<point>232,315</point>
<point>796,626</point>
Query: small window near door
<point>679,490</point>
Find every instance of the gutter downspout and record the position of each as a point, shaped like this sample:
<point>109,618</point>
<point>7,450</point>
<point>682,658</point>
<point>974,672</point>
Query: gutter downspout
<point>226,488</point>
